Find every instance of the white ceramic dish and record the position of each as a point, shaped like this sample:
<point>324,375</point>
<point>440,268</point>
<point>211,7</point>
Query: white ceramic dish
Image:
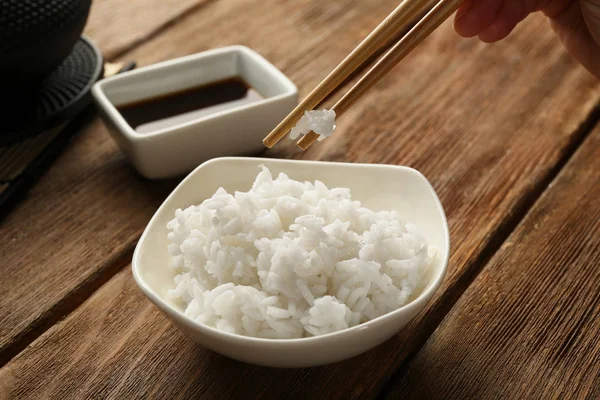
<point>178,149</point>
<point>376,186</point>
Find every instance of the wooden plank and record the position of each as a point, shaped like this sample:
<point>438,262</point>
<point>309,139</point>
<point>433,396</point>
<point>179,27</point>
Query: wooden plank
<point>15,158</point>
<point>117,25</point>
<point>508,337</point>
<point>79,223</point>
<point>67,231</point>
<point>527,327</point>
<point>487,124</point>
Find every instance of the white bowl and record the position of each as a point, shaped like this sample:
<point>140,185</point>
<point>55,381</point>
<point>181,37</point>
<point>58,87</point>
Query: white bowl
<point>376,186</point>
<point>176,150</point>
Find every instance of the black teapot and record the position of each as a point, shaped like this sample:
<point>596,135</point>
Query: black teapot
<point>36,36</point>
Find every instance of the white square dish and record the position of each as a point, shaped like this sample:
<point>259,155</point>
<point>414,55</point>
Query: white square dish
<point>378,187</point>
<point>179,149</point>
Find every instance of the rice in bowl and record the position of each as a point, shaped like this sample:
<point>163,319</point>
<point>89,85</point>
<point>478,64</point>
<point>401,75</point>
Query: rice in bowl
<point>291,259</point>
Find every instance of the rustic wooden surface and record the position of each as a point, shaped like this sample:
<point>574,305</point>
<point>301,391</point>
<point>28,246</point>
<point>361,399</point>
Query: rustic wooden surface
<point>488,125</point>
<point>117,26</point>
<point>528,326</point>
<point>56,248</point>
<point>94,181</point>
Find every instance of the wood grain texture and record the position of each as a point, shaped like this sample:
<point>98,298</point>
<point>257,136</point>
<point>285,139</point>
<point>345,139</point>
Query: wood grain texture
<point>15,158</point>
<point>528,327</point>
<point>486,124</point>
<point>89,209</point>
<point>117,25</point>
<point>74,224</point>
<point>47,216</point>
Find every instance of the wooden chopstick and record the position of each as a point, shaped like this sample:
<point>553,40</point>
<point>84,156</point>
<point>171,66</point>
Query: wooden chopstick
<point>364,67</point>
<point>399,18</point>
<point>434,18</point>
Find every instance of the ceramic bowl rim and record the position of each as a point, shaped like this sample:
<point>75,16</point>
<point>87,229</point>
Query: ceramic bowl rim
<point>419,302</point>
<point>99,92</point>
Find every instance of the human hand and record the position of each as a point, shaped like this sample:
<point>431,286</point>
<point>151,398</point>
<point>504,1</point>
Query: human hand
<point>576,22</point>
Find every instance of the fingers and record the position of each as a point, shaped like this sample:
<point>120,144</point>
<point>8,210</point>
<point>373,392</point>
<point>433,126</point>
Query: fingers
<point>577,23</point>
<point>590,10</point>
<point>511,13</point>
<point>554,8</point>
<point>577,37</point>
<point>475,16</point>
<point>493,20</point>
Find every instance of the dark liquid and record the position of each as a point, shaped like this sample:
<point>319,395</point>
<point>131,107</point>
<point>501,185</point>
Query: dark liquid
<point>187,105</point>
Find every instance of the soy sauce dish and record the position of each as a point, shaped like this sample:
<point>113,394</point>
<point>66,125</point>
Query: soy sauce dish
<point>169,117</point>
<point>294,263</point>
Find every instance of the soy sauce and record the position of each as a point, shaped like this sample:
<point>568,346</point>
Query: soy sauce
<point>172,109</point>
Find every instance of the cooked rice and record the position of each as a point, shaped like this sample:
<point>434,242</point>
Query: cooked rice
<point>290,259</point>
<point>321,122</point>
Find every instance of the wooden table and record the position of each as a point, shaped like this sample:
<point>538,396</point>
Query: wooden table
<point>506,134</point>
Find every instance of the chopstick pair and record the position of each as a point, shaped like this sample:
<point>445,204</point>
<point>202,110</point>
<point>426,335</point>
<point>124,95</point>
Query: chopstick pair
<point>400,19</point>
